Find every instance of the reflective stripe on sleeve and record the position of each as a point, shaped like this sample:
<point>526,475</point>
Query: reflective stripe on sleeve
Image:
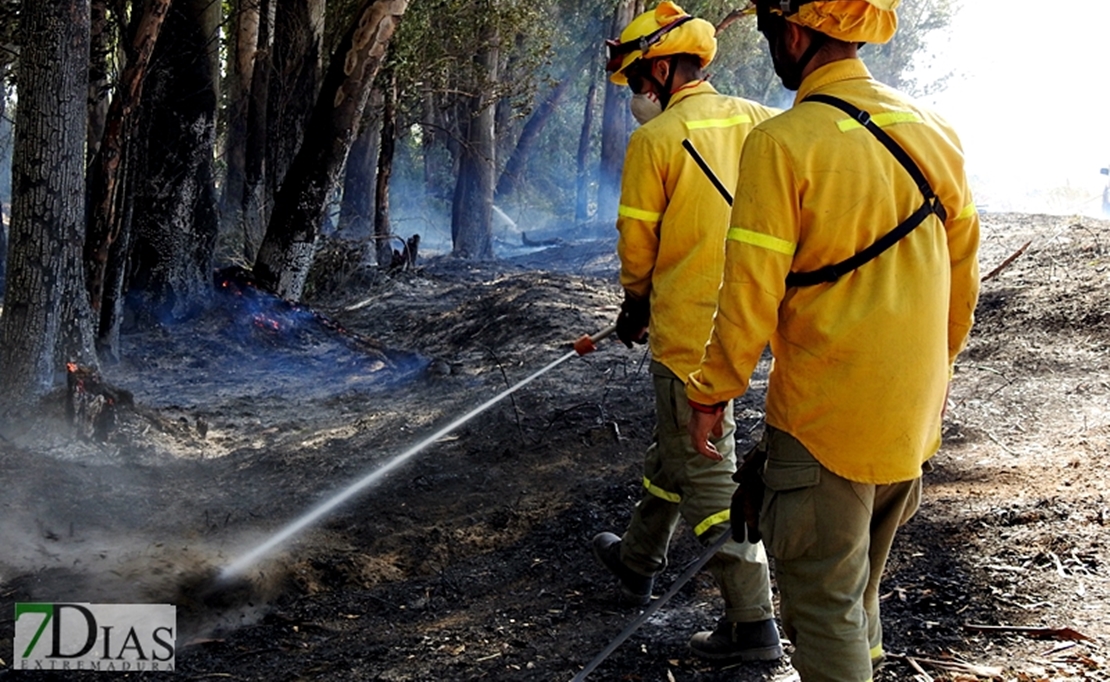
<point>766,241</point>
<point>639,214</point>
<point>882,120</point>
<point>660,493</point>
<point>968,211</point>
<point>719,517</point>
<point>740,119</point>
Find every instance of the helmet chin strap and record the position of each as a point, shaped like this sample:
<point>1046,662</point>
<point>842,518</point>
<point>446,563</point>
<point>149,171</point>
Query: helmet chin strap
<point>792,75</point>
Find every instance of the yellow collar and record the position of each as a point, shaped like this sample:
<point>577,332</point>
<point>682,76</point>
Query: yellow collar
<point>833,72</point>
<point>693,88</point>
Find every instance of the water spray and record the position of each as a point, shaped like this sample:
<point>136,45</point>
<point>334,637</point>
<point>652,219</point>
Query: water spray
<point>584,345</point>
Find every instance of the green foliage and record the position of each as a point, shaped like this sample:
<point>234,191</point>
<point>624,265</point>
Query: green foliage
<point>893,62</point>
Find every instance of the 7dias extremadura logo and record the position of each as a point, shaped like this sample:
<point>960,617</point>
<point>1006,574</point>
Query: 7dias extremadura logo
<point>113,637</point>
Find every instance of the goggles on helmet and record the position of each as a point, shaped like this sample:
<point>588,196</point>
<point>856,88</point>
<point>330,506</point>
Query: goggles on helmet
<point>617,50</point>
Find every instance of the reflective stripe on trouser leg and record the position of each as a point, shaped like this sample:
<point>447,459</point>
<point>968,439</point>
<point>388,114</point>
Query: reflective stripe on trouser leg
<point>705,488</point>
<point>816,526</point>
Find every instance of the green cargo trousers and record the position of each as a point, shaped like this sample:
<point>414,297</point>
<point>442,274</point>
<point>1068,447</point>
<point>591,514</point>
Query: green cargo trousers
<point>830,538</point>
<point>680,483</point>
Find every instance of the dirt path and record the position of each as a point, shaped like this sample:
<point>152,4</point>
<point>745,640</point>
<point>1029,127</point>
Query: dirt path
<point>471,561</point>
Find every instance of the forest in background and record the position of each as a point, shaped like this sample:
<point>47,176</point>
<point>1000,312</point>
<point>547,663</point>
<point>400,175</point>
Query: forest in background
<point>144,143</point>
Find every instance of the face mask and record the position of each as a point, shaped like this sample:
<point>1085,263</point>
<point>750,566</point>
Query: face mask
<point>645,107</point>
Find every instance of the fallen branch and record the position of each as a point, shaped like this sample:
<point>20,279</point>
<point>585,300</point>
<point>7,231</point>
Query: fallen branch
<point>917,667</point>
<point>1037,632</point>
<point>1002,266</point>
<point>949,666</point>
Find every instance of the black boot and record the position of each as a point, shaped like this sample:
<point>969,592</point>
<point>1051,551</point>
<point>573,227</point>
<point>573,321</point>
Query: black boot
<point>635,588</point>
<point>731,642</point>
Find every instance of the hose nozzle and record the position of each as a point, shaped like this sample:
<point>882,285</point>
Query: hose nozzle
<point>588,344</point>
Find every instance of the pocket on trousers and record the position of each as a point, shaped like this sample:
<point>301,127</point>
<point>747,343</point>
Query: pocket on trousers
<point>789,517</point>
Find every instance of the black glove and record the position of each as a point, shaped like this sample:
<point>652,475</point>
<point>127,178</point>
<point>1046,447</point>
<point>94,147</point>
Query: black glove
<point>748,498</point>
<point>632,323</point>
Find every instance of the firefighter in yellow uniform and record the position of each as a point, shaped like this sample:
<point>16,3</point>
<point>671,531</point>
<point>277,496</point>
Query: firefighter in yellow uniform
<point>852,250</point>
<point>672,222</point>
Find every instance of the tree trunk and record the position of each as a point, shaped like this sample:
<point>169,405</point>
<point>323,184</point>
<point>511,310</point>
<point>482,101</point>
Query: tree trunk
<point>103,195</point>
<point>582,200</point>
<point>240,75</point>
<point>383,249</point>
<point>3,220</point>
<point>46,318</point>
<point>514,167</point>
<point>256,205</point>
<point>356,211</point>
<point>100,47</point>
<point>287,251</point>
<point>431,149</point>
<point>614,128</point>
<point>509,71</point>
<point>175,219</point>
<point>3,252</point>
<point>471,226</point>
<point>110,317</point>
<point>294,81</point>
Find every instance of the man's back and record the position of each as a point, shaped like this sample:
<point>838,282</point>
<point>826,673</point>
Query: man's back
<point>861,364</point>
<point>673,221</point>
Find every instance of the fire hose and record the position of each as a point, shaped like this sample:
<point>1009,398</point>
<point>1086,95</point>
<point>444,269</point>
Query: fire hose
<point>584,345</point>
<point>692,569</point>
<point>706,555</point>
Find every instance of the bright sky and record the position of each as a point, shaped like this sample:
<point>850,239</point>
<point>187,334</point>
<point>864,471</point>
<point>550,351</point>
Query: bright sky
<point>1031,101</point>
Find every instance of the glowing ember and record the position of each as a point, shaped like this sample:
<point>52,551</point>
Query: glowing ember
<point>263,322</point>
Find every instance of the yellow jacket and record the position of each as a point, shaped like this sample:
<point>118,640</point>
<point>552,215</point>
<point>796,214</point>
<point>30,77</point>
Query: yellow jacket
<point>861,365</point>
<point>672,221</point>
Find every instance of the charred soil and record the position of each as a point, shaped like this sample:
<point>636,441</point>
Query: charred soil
<point>471,561</point>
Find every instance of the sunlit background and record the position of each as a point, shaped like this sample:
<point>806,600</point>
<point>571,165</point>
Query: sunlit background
<point>1030,98</point>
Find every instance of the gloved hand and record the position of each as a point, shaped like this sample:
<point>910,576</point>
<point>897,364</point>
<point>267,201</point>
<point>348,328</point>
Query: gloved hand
<point>632,322</point>
<point>748,498</point>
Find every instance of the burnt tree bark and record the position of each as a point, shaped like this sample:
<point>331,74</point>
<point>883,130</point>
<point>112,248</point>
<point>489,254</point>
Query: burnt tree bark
<point>582,179</point>
<point>175,218</point>
<point>294,81</point>
<point>471,214</point>
<point>383,250</point>
<point>3,219</point>
<point>288,248</point>
<point>46,318</point>
<point>614,126</point>
<point>105,218</point>
<point>256,204</point>
<point>100,47</point>
<point>242,52</point>
<point>356,211</point>
<point>514,167</point>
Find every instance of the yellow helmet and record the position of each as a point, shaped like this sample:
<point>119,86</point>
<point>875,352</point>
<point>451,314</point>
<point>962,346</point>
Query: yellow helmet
<point>853,21</point>
<point>666,30</point>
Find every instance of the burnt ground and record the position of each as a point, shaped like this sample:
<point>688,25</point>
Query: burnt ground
<point>470,560</point>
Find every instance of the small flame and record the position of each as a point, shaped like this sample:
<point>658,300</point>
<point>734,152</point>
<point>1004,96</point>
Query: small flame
<point>71,366</point>
<point>264,322</point>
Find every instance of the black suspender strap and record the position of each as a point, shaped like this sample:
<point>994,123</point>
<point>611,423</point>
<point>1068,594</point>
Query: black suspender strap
<point>931,205</point>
